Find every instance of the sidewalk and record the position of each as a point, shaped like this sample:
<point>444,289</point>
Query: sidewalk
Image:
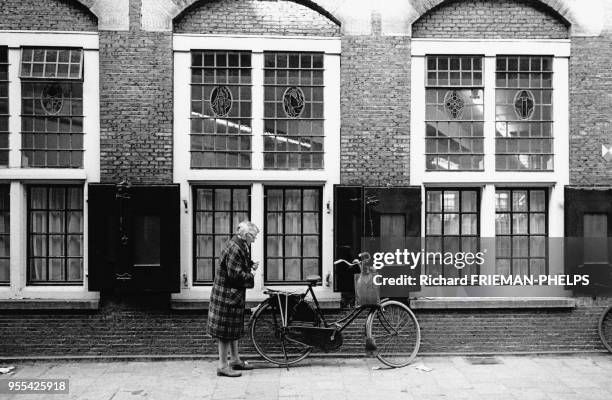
<point>452,378</point>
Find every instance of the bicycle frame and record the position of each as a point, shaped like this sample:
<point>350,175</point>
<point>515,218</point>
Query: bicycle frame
<point>341,323</point>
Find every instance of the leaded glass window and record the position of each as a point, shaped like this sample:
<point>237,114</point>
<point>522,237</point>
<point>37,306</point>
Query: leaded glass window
<point>523,113</point>
<point>55,234</point>
<point>4,107</point>
<point>5,235</point>
<point>452,225</point>
<point>521,230</point>
<point>454,113</point>
<point>221,129</point>
<point>52,107</point>
<point>293,110</point>
<point>217,214</point>
<point>292,233</point>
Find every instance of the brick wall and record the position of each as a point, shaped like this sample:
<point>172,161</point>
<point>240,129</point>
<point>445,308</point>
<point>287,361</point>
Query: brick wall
<point>63,15</point>
<point>254,17</point>
<point>590,109</point>
<point>514,19</point>
<point>122,328</point>
<point>375,109</point>
<point>136,109</point>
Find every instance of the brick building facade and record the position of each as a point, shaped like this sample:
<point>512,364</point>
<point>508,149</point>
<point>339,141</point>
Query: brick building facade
<point>172,120</point>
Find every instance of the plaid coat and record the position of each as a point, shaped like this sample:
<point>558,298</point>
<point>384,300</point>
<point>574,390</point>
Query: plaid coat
<point>226,307</point>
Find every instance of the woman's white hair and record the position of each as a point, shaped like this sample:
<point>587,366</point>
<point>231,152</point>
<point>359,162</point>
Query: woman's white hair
<point>245,227</point>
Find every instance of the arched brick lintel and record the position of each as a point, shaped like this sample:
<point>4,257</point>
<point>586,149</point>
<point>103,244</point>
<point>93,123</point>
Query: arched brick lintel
<point>559,7</point>
<point>189,4</point>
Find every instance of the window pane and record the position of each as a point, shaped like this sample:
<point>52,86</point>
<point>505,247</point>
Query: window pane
<point>521,215</point>
<point>147,240</point>
<point>293,111</point>
<point>220,109</point>
<point>4,109</point>
<point>454,115</point>
<point>523,107</point>
<point>49,108</point>
<point>5,232</point>
<point>451,225</point>
<point>292,233</point>
<point>216,216</point>
<point>55,234</point>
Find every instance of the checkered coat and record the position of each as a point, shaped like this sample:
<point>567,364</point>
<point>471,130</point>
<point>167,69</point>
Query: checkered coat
<point>226,307</point>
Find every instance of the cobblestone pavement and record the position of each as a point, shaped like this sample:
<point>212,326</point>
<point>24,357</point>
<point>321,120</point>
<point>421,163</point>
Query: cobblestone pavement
<point>455,378</point>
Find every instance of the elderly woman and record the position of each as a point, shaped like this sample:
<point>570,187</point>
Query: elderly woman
<point>226,309</point>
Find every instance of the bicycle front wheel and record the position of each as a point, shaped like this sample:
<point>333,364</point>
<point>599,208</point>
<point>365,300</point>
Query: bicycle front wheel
<point>605,328</point>
<point>396,333</point>
<point>271,341</point>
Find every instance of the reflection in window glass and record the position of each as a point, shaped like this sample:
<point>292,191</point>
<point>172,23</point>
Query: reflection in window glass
<point>523,113</point>
<point>220,109</point>
<point>292,233</point>
<point>454,113</point>
<point>4,107</point>
<point>218,210</point>
<point>595,238</point>
<point>452,224</point>
<point>293,110</point>
<point>55,234</point>
<point>147,240</point>
<point>5,235</point>
<point>521,230</point>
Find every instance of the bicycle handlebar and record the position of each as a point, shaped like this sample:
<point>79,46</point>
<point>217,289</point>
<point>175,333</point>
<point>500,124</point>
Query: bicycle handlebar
<point>365,256</point>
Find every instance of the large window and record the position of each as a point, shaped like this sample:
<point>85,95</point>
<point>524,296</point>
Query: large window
<point>292,233</point>
<point>454,113</point>
<point>5,235</point>
<point>55,234</point>
<point>4,107</point>
<point>293,111</point>
<point>217,214</point>
<point>521,229</point>
<point>52,107</point>
<point>523,113</point>
<point>451,225</point>
<point>220,109</point>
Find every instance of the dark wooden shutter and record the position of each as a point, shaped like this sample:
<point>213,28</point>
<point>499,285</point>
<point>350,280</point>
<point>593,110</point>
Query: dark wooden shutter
<point>578,203</point>
<point>348,230</point>
<point>103,233</point>
<point>385,211</point>
<point>370,218</point>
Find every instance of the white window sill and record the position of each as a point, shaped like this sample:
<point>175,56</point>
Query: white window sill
<point>201,304</point>
<point>46,304</point>
<point>445,303</point>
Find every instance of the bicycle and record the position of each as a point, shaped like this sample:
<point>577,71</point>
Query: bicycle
<point>285,328</point>
<point>605,328</point>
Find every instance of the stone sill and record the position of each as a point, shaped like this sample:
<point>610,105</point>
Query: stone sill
<point>188,304</point>
<point>445,303</point>
<point>39,304</point>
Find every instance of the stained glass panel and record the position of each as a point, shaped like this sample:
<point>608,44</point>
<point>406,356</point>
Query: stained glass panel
<point>523,113</point>
<point>220,109</point>
<point>454,113</point>
<point>293,111</point>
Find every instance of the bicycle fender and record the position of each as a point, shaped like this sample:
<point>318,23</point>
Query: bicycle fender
<point>255,309</point>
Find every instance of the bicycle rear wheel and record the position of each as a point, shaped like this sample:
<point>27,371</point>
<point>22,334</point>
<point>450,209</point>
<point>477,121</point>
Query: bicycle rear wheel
<point>605,328</point>
<point>396,333</point>
<point>270,340</point>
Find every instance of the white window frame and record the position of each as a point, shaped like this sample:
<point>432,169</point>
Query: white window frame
<point>489,179</point>
<point>256,177</point>
<point>20,178</point>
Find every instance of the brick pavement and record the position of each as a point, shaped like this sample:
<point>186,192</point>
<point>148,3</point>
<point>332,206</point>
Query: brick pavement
<point>587,377</point>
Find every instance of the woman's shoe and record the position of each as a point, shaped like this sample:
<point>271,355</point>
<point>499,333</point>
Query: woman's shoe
<point>228,371</point>
<point>241,366</point>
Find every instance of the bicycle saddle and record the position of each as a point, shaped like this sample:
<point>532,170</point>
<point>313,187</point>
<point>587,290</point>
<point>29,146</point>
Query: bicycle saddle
<point>312,279</point>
